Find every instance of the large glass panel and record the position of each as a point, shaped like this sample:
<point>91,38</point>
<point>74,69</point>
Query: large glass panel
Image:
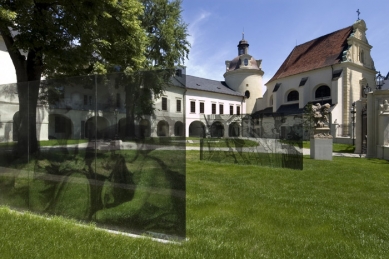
<point>95,148</point>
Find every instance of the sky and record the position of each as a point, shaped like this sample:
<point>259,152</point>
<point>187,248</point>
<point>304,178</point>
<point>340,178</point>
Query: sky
<point>273,28</point>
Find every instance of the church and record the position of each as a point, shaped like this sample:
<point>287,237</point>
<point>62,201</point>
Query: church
<point>335,68</point>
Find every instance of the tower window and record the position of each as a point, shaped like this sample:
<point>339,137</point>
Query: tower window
<point>246,62</point>
<point>247,94</point>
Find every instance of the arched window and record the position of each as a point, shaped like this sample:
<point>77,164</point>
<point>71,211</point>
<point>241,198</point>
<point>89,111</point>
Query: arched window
<point>293,96</point>
<point>247,94</point>
<point>362,56</point>
<point>323,92</point>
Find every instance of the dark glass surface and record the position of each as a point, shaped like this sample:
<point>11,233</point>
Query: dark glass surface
<point>103,154</point>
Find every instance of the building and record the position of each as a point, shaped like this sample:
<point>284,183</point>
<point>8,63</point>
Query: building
<point>334,68</point>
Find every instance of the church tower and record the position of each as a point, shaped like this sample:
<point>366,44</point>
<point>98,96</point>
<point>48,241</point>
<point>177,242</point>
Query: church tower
<point>244,75</point>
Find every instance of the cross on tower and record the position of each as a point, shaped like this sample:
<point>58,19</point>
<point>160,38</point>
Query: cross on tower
<point>358,12</point>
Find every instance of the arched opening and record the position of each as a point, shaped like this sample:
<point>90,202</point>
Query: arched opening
<point>179,129</point>
<point>293,96</point>
<point>323,92</point>
<point>60,127</point>
<point>96,128</point>
<point>247,94</point>
<point>217,130</point>
<point>15,126</point>
<point>234,130</point>
<point>144,128</point>
<point>197,129</point>
<point>163,129</point>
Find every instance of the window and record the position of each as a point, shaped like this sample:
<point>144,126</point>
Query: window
<point>238,110</point>
<point>221,108</point>
<point>85,100</point>
<point>201,107</point>
<point>193,107</point>
<point>293,96</point>
<point>246,62</point>
<point>323,92</point>
<point>247,94</point>
<point>214,108</point>
<point>362,56</point>
<point>164,104</point>
<point>178,105</point>
<point>231,109</point>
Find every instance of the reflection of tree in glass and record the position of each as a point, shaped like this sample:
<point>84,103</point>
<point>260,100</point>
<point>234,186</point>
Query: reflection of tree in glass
<point>131,189</point>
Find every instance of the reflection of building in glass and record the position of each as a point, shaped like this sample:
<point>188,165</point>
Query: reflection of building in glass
<point>333,69</point>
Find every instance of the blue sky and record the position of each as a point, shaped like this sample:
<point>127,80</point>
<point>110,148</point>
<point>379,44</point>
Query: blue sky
<point>273,28</point>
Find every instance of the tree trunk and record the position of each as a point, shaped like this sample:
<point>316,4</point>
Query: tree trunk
<point>28,78</point>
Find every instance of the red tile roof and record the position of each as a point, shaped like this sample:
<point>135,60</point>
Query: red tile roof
<point>321,52</point>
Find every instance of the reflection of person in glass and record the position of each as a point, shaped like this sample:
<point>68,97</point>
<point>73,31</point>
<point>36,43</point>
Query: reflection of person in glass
<point>133,189</point>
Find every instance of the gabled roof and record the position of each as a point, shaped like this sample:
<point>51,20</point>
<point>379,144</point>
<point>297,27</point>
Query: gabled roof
<point>321,52</point>
<point>202,84</point>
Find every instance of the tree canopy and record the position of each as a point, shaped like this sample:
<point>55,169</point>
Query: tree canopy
<point>82,37</point>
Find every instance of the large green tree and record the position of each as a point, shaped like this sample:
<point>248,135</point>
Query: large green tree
<point>83,37</point>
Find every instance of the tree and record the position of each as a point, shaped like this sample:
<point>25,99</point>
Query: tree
<point>82,37</point>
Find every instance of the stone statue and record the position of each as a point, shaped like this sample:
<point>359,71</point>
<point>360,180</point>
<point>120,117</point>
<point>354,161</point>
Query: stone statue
<point>321,121</point>
<point>384,107</point>
<point>320,115</point>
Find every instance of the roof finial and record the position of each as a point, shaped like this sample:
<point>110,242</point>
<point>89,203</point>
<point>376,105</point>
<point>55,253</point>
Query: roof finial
<point>358,12</point>
<point>243,34</point>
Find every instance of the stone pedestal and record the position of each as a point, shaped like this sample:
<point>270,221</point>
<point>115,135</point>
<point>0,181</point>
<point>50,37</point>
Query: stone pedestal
<point>321,144</point>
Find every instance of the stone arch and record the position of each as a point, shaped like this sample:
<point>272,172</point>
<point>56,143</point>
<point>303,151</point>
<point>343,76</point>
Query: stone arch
<point>15,126</point>
<point>322,91</point>
<point>234,130</point>
<point>96,131</point>
<point>197,129</point>
<point>144,128</point>
<point>162,129</point>
<point>217,129</point>
<point>60,127</point>
<point>179,129</point>
<point>292,95</point>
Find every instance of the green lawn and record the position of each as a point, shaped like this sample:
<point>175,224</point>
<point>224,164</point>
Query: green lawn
<point>331,209</point>
<point>336,147</point>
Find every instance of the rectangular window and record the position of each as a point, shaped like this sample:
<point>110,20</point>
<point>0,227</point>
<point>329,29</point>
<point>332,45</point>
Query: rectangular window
<point>221,109</point>
<point>231,109</point>
<point>201,107</point>
<point>214,108</point>
<point>164,104</point>
<point>85,100</point>
<point>178,104</point>
<point>238,110</point>
<point>193,107</point>
<point>90,99</point>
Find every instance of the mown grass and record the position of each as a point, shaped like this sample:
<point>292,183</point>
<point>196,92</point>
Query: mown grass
<point>336,209</point>
<point>51,142</point>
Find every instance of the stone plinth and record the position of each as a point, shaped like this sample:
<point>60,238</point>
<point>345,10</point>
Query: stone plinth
<point>321,144</point>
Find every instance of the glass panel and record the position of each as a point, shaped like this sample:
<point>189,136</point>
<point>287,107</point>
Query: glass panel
<point>94,148</point>
<point>274,141</point>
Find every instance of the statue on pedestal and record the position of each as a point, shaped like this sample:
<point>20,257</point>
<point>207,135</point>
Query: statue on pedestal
<point>320,115</point>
